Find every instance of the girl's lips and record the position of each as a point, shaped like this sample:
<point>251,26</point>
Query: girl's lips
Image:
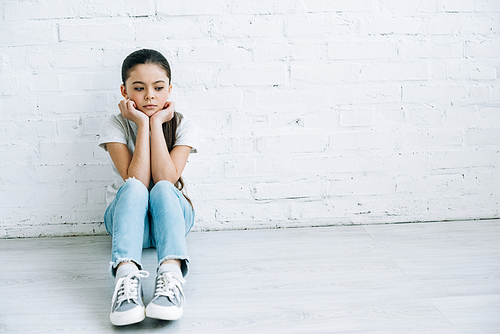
<point>150,106</point>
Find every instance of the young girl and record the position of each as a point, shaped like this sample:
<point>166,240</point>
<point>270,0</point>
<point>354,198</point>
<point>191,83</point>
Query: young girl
<point>149,144</point>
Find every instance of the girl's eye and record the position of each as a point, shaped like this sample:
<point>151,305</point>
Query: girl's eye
<point>159,88</point>
<point>138,89</point>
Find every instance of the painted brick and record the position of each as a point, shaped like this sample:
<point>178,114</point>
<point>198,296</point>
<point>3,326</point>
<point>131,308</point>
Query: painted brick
<point>76,82</point>
<point>362,186</point>
<point>244,26</point>
<point>486,116</point>
<point>363,140</point>
<point>289,190</point>
<point>340,6</point>
<point>449,25</point>
<point>461,116</point>
<point>22,34</point>
<point>257,212</point>
<point>14,199</point>
<point>358,117</point>
<point>63,59</point>
<point>171,28</point>
<point>38,10</point>
<point>395,72</point>
<point>457,207</point>
<point>450,183</point>
<point>325,73</point>
<point>412,48</point>
<point>8,86</point>
<point>317,24</point>
<point>434,93</point>
<point>433,138</point>
<point>424,6</point>
<point>393,25</point>
<point>293,143</point>
<point>413,162</point>
<point>458,6</point>
<point>57,196</point>
<point>269,7</point>
<point>482,93</point>
<point>66,173</point>
<point>107,8</point>
<point>483,72</point>
<point>456,159</point>
<point>483,137</point>
<point>315,210</point>
<point>209,99</point>
<point>92,173</point>
<point>91,32</point>
<point>240,168</point>
<point>320,165</point>
<point>361,49</point>
<point>327,119</point>
<point>71,104</point>
<point>366,94</point>
<point>213,54</point>
<point>227,191</point>
<point>456,70</point>
<point>483,49</point>
<point>301,50</point>
<point>192,7</point>
<point>274,167</point>
<point>45,83</point>
<point>18,177</point>
<point>446,47</point>
<point>105,80</point>
<point>486,5</point>
<point>27,152</point>
<point>18,108</point>
<point>71,152</point>
<point>272,50</point>
<point>425,115</point>
<point>252,76</point>
<point>37,128</point>
<point>310,112</point>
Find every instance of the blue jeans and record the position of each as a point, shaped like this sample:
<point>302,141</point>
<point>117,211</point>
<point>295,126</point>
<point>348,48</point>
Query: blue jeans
<point>138,218</point>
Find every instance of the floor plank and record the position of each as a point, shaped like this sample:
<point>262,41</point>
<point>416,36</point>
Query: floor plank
<point>395,278</point>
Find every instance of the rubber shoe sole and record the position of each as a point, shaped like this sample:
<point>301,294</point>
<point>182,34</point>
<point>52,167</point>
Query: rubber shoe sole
<point>163,312</point>
<point>129,317</point>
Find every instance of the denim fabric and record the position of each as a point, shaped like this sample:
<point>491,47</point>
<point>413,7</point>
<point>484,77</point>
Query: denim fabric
<point>138,218</point>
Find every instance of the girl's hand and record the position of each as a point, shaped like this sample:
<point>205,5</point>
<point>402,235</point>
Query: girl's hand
<point>164,115</point>
<point>129,111</point>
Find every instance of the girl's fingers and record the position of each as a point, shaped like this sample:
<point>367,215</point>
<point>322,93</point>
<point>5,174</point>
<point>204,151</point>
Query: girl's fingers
<point>131,104</point>
<point>169,104</point>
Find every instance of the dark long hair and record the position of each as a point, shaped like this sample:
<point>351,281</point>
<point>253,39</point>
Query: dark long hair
<point>147,56</point>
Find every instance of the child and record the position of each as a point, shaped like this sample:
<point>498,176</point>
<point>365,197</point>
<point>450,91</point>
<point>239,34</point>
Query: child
<point>149,144</point>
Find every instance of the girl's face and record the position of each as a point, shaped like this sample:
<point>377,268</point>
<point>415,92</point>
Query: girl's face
<point>149,87</point>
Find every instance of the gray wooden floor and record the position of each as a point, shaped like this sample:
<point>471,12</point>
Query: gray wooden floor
<point>403,278</point>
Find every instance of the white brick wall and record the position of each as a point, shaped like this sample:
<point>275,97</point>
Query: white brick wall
<point>311,112</point>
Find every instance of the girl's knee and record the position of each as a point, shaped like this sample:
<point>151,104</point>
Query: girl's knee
<point>133,190</point>
<point>164,188</point>
<point>132,184</point>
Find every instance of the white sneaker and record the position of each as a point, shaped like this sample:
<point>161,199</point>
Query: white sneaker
<point>127,304</point>
<point>168,300</point>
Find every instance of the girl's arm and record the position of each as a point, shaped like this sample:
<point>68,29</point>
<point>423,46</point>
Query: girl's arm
<point>137,165</point>
<point>165,165</point>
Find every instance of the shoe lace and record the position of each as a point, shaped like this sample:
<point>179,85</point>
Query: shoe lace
<point>127,287</point>
<point>168,284</point>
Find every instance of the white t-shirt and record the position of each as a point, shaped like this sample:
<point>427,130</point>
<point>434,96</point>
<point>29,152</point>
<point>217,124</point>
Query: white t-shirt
<point>116,129</point>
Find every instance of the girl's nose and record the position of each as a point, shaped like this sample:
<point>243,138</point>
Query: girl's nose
<point>150,94</point>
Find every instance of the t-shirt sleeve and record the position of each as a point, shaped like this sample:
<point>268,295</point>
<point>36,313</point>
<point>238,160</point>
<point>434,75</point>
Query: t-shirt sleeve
<point>187,134</point>
<point>112,131</point>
